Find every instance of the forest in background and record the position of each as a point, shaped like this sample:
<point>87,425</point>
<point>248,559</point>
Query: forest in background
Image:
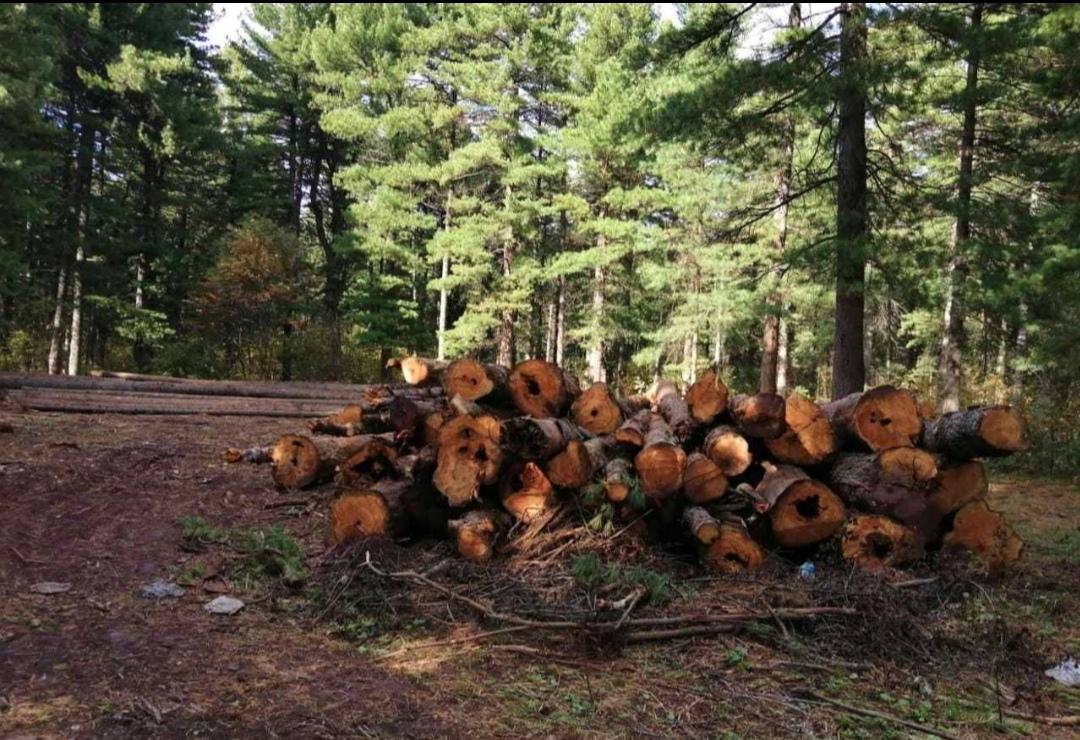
<point>805,198</point>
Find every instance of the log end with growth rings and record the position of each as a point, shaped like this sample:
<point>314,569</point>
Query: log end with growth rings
<point>295,461</point>
<point>707,398</point>
<point>734,551</point>
<point>805,514</point>
<point>596,411</point>
<point>984,532</point>
<point>355,514</point>
<point>538,388</point>
<point>875,542</point>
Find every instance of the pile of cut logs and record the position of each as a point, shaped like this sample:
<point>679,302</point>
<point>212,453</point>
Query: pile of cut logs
<point>469,450</point>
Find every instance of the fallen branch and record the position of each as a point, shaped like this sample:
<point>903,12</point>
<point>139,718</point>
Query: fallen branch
<point>1065,721</point>
<point>878,715</point>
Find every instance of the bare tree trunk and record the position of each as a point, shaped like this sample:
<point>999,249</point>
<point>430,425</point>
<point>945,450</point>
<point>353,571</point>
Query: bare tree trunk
<point>595,359</point>
<point>718,349</point>
<point>849,372</point>
<point>84,188</point>
<point>770,340</point>
<point>953,324</point>
<point>505,338</point>
<point>443,296</point>
<point>549,329</point>
<point>560,322</point>
<point>782,356</point>
<point>57,340</point>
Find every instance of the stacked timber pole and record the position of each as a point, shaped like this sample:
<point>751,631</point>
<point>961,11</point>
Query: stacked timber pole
<point>469,450</point>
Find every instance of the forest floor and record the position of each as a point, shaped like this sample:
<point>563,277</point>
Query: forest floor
<point>97,502</point>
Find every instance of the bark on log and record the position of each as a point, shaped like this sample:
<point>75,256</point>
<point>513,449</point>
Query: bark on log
<point>596,410</point>
<point>345,423</point>
<point>703,480</point>
<point>380,509</point>
<point>707,398</point>
<point>726,447</point>
<point>801,510</point>
<point>432,426</point>
<point>539,439</point>
<point>541,389</point>
<point>877,419</point>
<point>632,431</point>
<point>673,407</point>
<point>420,370</point>
<point>525,492</point>
<point>702,526</point>
<point>874,542</point>
<point>894,483</point>
<point>576,465</point>
<point>478,533</point>
<point>734,551</point>
<point>808,437</point>
<point>261,455</point>
<point>760,415</point>
<point>984,532</point>
<point>300,461</point>
<point>661,461</point>
<point>990,431</point>
<point>618,478</point>
<point>958,485</point>
<point>476,380</point>
<point>91,402</point>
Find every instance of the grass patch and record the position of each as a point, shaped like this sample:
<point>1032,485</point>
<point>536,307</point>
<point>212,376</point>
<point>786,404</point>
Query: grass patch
<point>594,574</point>
<point>271,553</point>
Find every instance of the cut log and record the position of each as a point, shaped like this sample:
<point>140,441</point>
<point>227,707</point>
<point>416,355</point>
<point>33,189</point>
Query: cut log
<point>575,466</point>
<point>760,415</point>
<point>703,480</point>
<point>525,491</point>
<point>734,551</point>
<point>702,526</point>
<point>255,455</point>
<point>596,410</point>
<point>957,485</point>
<point>475,380</point>
<point>673,407</point>
<point>138,403</point>
<point>345,423</point>
<point>378,510</point>
<point>801,510</point>
<point>894,482</point>
<point>991,431</point>
<point>661,461</point>
<point>726,447</point>
<point>478,533</point>
<point>984,532</point>
<point>373,461</point>
<point>632,431</point>
<point>877,419</point>
<point>808,437</point>
<point>420,370</point>
<point>618,479</point>
<point>403,414</point>
<point>874,542</point>
<point>539,439</point>
<point>707,398</point>
<point>432,426</point>
<point>541,389</point>
<point>470,456</point>
<point>300,461</point>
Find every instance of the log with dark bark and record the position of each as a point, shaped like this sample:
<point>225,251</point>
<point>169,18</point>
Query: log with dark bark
<point>661,461</point>
<point>541,389</point>
<point>299,461</point>
<point>760,415</point>
<point>478,533</point>
<point>632,431</point>
<point>957,485</point>
<point>673,407</point>
<point>874,542</point>
<point>596,410</point>
<point>734,551</point>
<point>895,482</point>
<point>702,526</point>
<point>990,431</point>
<point>801,510</point>
<point>984,532</point>
<point>808,437</point>
<point>726,447</point>
<point>379,509</point>
<point>539,439</point>
<point>618,478</point>
<point>876,419</point>
<point>138,403</point>
<point>707,398</point>
<point>260,455</point>
<point>703,480</point>
<point>475,380</point>
<point>525,491</point>
<point>576,465</point>
<point>345,423</point>
<point>420,370</point>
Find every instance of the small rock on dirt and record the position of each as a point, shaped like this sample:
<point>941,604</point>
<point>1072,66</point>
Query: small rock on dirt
<point>224,605</point>
<point>161,590</point>
<point>51,587</point>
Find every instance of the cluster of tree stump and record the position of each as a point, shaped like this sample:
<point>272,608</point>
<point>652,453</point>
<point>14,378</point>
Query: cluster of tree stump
<point>470,450</point>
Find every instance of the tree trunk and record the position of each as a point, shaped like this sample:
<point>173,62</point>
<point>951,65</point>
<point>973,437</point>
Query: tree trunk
<point>849,372</point>
<point>783,368</point>
<point>595,357</point>
<point>57,339</point>
<point>504,340</point>
<point>953,324</point>
<point>560,324</point>
<point>84,187</point>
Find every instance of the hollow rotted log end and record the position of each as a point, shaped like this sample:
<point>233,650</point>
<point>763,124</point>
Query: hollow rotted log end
<point>525,492</point>
<point>596,411</point>
<point>295,461</point>
<point>805,514</point>
<point>874,542</point>
<point>539,388</point>
<point>373,462</point>
<point>478,533</point>
<point>734,551</point>
<point>707,398</point>
<point>984,532</point>
<point>355,514</point>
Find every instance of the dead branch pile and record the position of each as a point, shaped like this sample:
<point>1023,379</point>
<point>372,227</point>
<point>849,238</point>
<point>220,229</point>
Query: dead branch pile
<point>478,452</point>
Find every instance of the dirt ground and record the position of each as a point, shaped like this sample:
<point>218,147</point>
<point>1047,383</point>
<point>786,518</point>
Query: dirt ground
<point>96,501</point>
